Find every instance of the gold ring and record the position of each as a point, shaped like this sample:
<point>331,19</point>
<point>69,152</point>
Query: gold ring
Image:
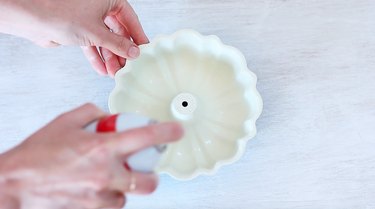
<point>132,185</point>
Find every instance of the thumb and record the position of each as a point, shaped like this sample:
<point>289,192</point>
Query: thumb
<point>118,44</point>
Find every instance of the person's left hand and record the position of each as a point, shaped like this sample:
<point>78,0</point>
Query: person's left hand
<point>108,62</point>
<point>111,25</point>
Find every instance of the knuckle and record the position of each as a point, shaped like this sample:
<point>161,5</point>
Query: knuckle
<point>143,134</point>
<point>123,44</point>
<point>88,193</point>
<point>99,145</point>
<point>99,41</point>
<point>63,117</point>
<point>152,131</point>
<point>90,106</point>
<point>95,143</point>
<point>95,147</point>
<point>119,30</point>
<point>148,131</point>
<point>102,183</point>
<point>104,179</point>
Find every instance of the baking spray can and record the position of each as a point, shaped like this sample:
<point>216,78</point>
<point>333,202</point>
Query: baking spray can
<point>143,161</point>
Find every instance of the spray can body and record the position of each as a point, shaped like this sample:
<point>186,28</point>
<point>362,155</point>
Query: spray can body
<point>143,161</point>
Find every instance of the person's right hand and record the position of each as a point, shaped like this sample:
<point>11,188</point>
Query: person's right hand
<point>78,22</point>
<point>64,166</point>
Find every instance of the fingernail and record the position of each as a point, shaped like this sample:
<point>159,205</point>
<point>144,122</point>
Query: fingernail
<point>133,52</point>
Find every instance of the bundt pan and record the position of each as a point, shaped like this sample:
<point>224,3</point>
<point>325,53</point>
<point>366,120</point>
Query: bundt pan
<point>203,84</point>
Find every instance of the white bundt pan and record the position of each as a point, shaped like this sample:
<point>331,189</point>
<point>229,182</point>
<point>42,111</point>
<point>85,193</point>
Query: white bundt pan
<point>203,84</point>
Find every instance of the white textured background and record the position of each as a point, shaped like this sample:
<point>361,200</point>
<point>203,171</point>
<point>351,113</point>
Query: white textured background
<point>315,60</point>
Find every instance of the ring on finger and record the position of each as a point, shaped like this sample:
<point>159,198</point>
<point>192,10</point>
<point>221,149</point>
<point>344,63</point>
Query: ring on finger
<point>132,184</point>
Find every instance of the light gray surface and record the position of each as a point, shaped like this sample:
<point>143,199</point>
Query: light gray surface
<point>315,60</point>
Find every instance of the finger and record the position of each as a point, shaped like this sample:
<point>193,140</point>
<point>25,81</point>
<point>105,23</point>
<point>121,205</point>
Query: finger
<point>111,61</point>
<point>94,58</point>
<point>81,116</point>
<point>118,44</point>
<point>112,23</point>
<point>117,28</point>
<point>128,142</point>
<point>129,18</point>
<point>101,199</point>
<point>112,199</point>
<point>141,183</point>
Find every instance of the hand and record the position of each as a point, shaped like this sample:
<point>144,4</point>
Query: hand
<point>64,166</point>
<point>78,22</point>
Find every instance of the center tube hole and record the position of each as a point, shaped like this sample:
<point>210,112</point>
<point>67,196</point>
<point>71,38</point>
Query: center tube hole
<point>185,103</point>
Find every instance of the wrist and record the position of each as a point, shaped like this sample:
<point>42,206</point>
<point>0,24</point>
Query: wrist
<point>8,11</point>
<point>17,15</point>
